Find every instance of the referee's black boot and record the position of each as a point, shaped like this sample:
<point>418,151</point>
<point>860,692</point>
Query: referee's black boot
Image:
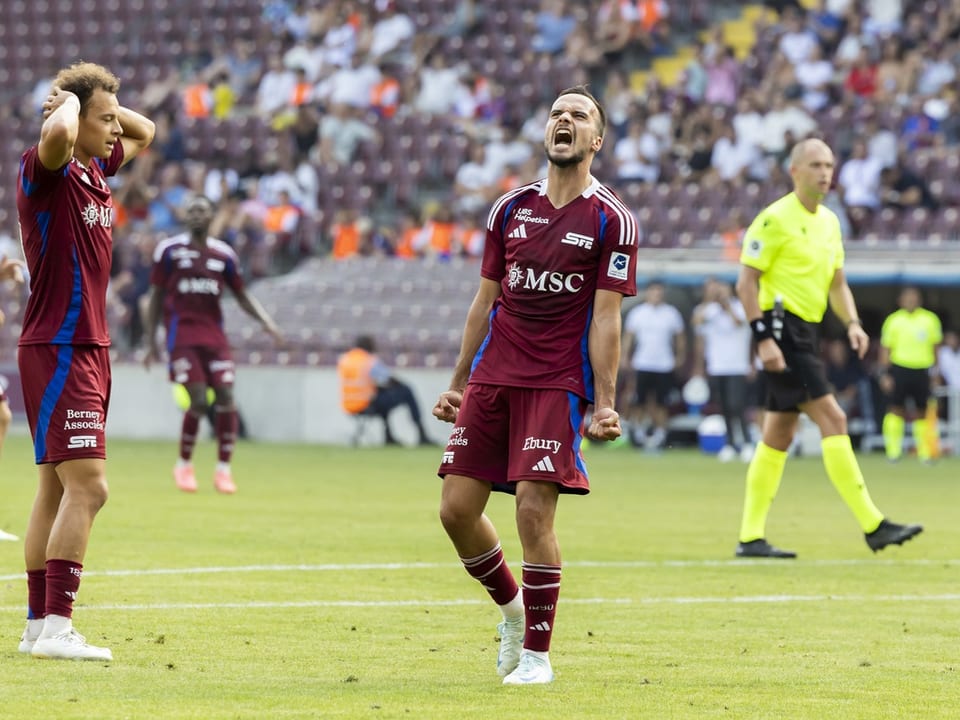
<point>760,548</point>
<point>890,533</point>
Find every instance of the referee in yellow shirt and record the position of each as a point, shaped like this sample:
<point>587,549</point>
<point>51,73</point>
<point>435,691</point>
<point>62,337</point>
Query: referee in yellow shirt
<point>908,343</point>
<point>791,268</point>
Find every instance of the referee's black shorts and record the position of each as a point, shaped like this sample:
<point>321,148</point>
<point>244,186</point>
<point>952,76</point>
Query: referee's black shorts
<point>805,378</point>
<point>910,383</point>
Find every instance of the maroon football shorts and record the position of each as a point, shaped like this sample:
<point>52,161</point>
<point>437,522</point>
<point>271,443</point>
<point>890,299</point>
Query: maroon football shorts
<point>212,367</point>
<point>66,393</point>
<point>507,434</point>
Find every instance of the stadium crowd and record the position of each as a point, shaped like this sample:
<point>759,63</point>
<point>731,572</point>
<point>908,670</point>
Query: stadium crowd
<point>343,128</point>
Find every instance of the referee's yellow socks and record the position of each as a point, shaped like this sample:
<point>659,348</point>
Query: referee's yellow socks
<point>844,472</point>
<point>893,431</point>
<point>763,480</point>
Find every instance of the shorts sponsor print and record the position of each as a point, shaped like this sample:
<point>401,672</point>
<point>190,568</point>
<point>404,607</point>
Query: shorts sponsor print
<point>507,434</point>
<point>66,393</point>
<point>213,367</point>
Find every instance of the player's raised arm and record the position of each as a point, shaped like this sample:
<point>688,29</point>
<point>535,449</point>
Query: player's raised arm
<point>61,124</point>
<point>138,132</point>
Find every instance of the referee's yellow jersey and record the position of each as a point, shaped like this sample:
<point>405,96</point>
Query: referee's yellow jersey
<point>798,252</point>
<point>912,338</point>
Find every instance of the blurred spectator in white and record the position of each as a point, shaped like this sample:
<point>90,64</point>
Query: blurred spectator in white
<point>797,41</point>
<point>882,143</point>
<point>815,75</point>
<point>467,16</point>
<point>342,37</point>
<point>637,153</point>
<point>275,88</point>
<point>308,54</point>
<point>221,180</point>
<point>948,359</point>
<point>785,116</point>
<point>440,87</point>
<point>859,184</point>
<point>723,78</point>
<point>297,22</point>
<point>506,148</point>
<point>392,33</point>
<point>694,77</point>
<point>748,120</point>
<point>883,17</point>
<point>351,84</point>
<point>659,121</point>
<point>939,69</point>
<point>854,40</point>
<point>735,160</point>
<point>476,183</point>
<point>277,177</point>
<point>341,132</point>
<point>552,26</point>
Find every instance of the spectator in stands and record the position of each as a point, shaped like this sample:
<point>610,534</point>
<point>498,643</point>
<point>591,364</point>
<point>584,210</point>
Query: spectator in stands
<point>437,236</point>
<point>815,76</point>
<point>275,87</point>
<point>862,79</point>
<point>368,387</point>
<point>797,42</point>
<point>346,234</point>
<point>11,270</point>
<point>785,115</point>
<point>168,199</point>
<point>948,360</point>
<point>654,348</point>
<point>735,161</point>
<point>341,133</point>
<point>476,183</point>
<point>392,33</point>
<point>908,342</point>
<point>903,189</point>
<point>859,185</point>
<point>722,354</point>
<point>723,78</point>
<point>552,26</point>
<point>895,75</point>
<point>637,153</point>
<point>189,275</point>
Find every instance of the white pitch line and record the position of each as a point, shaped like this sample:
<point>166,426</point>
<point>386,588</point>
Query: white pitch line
<point>716,600</point>
<point>630,564</point>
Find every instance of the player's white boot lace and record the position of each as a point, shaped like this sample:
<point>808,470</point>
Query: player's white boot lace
<point>30,634</point>
<point>69,645</point>
<point>511,643</point>
<point>533,669</point>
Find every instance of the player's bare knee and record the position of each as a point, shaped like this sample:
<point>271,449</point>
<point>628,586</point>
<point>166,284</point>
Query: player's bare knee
<point>533,516</point>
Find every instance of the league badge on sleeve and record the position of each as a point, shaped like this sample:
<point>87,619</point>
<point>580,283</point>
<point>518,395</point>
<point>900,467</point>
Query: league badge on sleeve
<point>619,263</point>
<point>752,248</point>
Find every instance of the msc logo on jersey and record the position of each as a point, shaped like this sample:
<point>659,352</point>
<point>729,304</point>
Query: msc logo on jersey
<point>578,240</point>
<point>77,442</point>
<point>546,281</point>
<point>198,286</point>
<point>94,214</point>
<point>619,264</point>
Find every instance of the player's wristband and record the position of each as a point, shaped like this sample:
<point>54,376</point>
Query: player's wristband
<point>761,330</point>
<point>855,321</point>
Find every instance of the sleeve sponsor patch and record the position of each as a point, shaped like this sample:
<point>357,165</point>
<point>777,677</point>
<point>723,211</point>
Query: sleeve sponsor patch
<point>752,247</point>
<point>619,265</point>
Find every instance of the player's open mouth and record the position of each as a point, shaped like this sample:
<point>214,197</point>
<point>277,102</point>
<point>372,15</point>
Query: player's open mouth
<point>562,137</point>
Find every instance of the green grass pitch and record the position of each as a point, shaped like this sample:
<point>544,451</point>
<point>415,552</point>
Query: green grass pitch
<point>326,589</point>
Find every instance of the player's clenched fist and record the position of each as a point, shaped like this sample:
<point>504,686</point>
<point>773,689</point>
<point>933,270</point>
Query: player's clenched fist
<point>448,405</point>
<point>604,425</point>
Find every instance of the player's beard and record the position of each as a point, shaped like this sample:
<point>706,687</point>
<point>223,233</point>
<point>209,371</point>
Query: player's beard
<point>565,162</point>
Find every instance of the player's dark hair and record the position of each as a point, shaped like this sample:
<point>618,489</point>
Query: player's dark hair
<point>582,90</point>
<point>365,342</point>
<point>83,78</point>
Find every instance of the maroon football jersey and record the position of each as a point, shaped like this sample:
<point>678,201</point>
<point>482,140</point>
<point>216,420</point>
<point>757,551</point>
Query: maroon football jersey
<point>65,225</point>
<point>192,279</point>
<point>549,263</point>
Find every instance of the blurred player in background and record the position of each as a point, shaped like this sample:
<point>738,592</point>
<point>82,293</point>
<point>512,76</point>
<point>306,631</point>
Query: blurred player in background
<point>908,346</point>
<point>9,270</point>
<point>189,274</point>
<point>65,211</point>
<point>541,342</point>
<point>793,257</point>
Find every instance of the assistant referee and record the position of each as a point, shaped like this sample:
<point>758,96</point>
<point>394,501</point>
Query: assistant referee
<point>792,258</point>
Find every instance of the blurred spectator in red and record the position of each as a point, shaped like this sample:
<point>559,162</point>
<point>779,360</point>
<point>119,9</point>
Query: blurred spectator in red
<point>862,78</point>
<point>346,234</point>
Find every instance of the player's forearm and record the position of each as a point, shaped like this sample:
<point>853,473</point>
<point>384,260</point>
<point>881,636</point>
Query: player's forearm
<point>604,349</point>
<point>136,127</point>
<point>474,331</point>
